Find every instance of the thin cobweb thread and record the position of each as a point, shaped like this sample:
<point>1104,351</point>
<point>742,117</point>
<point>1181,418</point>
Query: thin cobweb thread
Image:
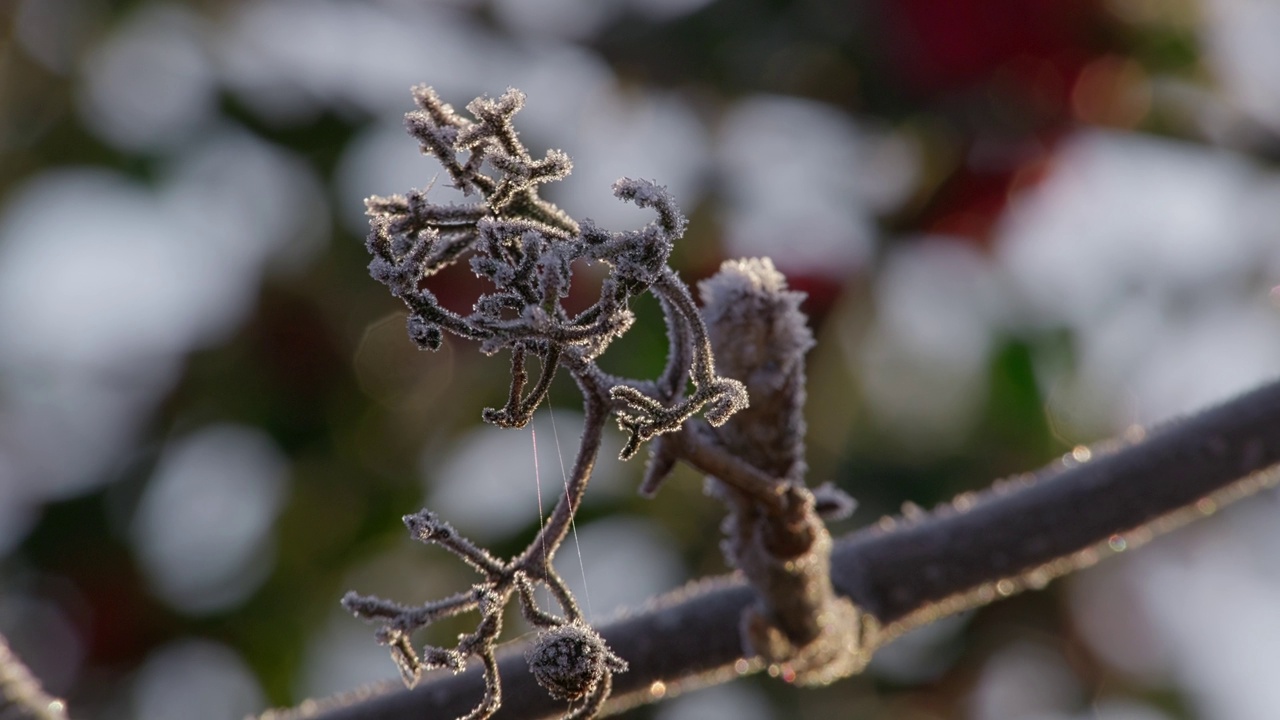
<point>573,525</point>
<point>537,481</point>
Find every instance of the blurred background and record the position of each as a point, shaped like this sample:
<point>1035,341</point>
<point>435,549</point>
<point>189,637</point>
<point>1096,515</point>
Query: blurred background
<point>1022,225</point>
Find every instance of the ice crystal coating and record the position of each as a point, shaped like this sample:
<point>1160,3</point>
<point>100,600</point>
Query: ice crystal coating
<point>524,248</point>
<point>760,337</point>
<point>571,660</point>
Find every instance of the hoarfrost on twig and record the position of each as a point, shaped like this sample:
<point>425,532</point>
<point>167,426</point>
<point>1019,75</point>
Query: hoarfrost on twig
<point>524,247</point>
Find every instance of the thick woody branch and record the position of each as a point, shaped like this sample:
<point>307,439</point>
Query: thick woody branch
<point>1017,535</point>
<point>1032,528</point>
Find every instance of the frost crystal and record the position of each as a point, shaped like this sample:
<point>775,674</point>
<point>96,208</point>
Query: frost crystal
<point>570,660</point>
<point>524,248</point>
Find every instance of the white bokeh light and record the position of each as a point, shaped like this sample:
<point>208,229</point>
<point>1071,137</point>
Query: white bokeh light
<point>1194,609</point>
<point>1109,611</point>
<point>96,269</point>
<point>642,134</point>
<point>97,285</point>
<point>623,563</point>
<point>923,654</point>
<point>803,183</point>
<point>1239,41</point>
<point>1212,594</point>
<point>202,533</point>
<point>383,160</point>
<point>62,430</point>
<point>1153,253</point>
<point>1024,680</point>
<point>105,284</point>
<point>1123,215</point>
<point>245,206</point>
<point>343,655</point>
<point>583,19</point>
<point>924,364</point>
<point>195,680</point>
<point>278,55</point>
<point>149,84</point>
<point>665,9</point>
<point>487,485</point>
<point>1158,257</point>
<point>17,507</point>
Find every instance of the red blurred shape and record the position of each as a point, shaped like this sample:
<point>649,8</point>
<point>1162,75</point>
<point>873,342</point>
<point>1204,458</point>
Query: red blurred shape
<point>946,44</point>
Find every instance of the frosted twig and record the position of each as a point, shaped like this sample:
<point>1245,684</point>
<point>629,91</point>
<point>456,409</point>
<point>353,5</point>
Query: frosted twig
<point>525,247</point>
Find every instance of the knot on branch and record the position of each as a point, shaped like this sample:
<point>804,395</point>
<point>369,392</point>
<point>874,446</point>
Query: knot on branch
<point>799,622</point>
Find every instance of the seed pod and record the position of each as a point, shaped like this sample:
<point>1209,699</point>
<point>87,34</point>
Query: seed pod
<point>570,660</point>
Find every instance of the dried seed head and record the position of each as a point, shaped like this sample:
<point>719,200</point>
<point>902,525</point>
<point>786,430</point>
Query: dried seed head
<point>570,660</point>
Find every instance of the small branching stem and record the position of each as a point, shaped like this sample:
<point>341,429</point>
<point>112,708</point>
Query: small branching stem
<point>560,521</point>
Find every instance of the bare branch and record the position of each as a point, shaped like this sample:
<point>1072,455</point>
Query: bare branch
<point>1018,535</point>
<point>1030,529</point>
